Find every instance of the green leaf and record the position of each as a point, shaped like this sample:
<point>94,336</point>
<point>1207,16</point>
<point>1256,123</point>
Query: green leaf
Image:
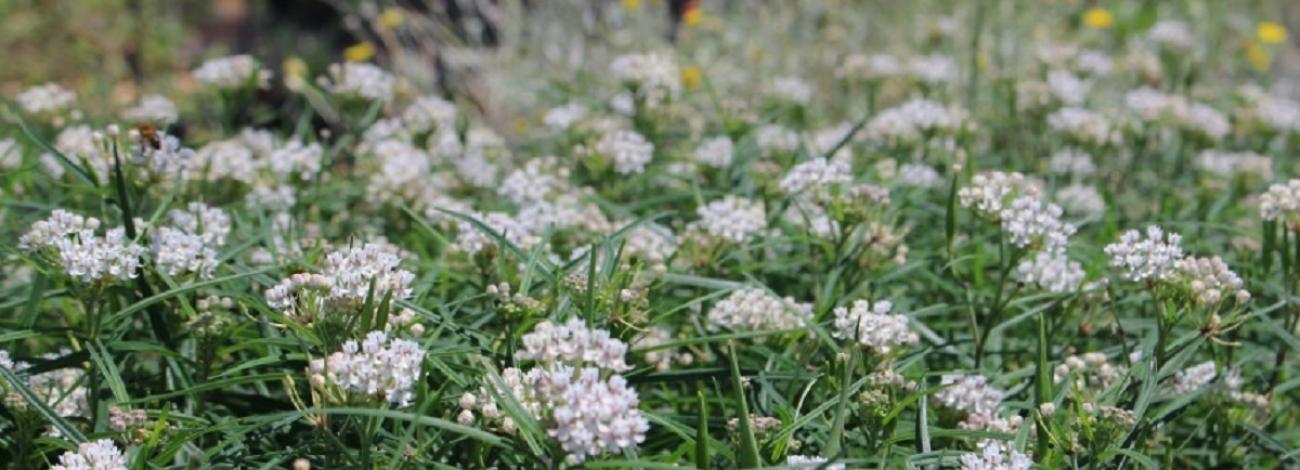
<point>748,455</point>
<point>702,433</point>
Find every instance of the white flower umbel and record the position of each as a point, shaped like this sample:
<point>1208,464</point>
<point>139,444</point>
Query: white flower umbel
<point>1210,280</point>
<point>46,99</point>
<point>1231,164</point>
<point>800,462</point>
<point>471,240</point>
<point>429,113</point>
<point>969,393</point>
<point>1067,88</point>
<point>1192,378</point>
<point>872,326</point>
<point>1153,257</point>
<point>1051,271</point>
<point>210,224</point>
<point>176,252</point>
<point>377,367</point>
<point>915,120</point>
<point>354,269</point>
<point>155,109</point>
<point>1072,162</point>
<point>1081,200</point>
<point>232,72</point>
<point>539,179</point>
<point>561,118</point>
<point>732,218</point>
<point>715,152</point>
<point>995,455</point>
<point>1281,202</point>
<point>915,175</point>
<point>628,150</point>
<point>756,310</point>
<point>654,77</point>
<point>1174,35</point>
<point>792,89</point>
<point>990,192</point>
<point>70,240</point>
<point>361,80</point>
<point>590,415</point>
<point>1029,222</point>
<point>574,343</point>
<point>93,455</point>
<point>816,175</point>
<point>773,138</point>
<point>1083,126</point>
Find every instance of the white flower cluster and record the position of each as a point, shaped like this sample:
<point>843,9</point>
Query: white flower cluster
<point>1230,164</point>
<point>1210,280</point>
<point>1067,88</point>
<point>792,89</point>
<point>969,393</point>
<point>773,138</point>
<point>574,343</point>
<point>537,180</point>
<point>429,113</point>
<point>628,150</point>
<point>1051,271</point>
<point>11,154</point>
<point>1160,108</point>
<point>1081,200</point>
<point>816,175</point>
<point>586,407</point>
<point>916,175</point>
<point>716,152</point>
<point>563,117</point>
<point>1090,370</point>
<point>872,326</point>
<point>800,462</point>
<point>344,282</point>
<point>933,69</point>
<point>915,120</point>
<point>995,455</point>
<point>176,252</point>
<point>471,240</point>
<point>1028,221</point>
<point>232,72</point>
<point>655,77</point>
<point>752,309</point>
<point>1281,202</point>
<point>1192,378</point>
<point>1174,35</point>
<point>63,390</point>
<point>71,241</point>
<point>93,455</point>
<point>732,218</point>
<point>662,359</point>
<point>295,158</point>
<point>1084,126</point>
<point>1153,257</point>
<point>46,99</point>
<point>361,80</point>
<point>873,67</point>
<point>652,244</point>
<point>153,108</point>
<point>990,192</point>
<point>379,367</point>
<point>1073,162</point>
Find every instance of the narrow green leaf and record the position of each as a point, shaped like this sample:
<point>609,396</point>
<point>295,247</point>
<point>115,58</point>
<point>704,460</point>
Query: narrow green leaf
<point>748,455</point>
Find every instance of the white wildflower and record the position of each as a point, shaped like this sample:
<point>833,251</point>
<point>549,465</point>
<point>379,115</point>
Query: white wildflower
<point>873,326</point>
<point>1154,257</point>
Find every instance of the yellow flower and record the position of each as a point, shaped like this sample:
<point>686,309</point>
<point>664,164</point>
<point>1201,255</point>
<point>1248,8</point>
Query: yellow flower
<point>693,16</point>
<point>692,76</point>
<point>1098,18</point>
<point>294,69</point>
<point>631,5</point>
<point>390,19</point>
<point>360,52</point>
<point>1270,32</point>
<point>1259,56</point>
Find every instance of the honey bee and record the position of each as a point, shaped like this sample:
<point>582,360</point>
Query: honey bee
<point>149,135</point>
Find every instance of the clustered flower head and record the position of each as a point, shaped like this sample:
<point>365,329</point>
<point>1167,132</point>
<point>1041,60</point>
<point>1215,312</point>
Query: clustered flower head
<point>732,218</point>
<point>654,77</point>
<point>63,390</point>
<point>226,73</point>
<point>344,283</point>
<point>574,390</point>
<point>1151,257</point>
<point>361,80</point>
<point>990,192</point>
<point>628,150</point>
<point>873,326</point>
<point>92,455</point>
<point>816,175</point>
<point>752,309</point>
<point>1230,164</point>
<point>49,98</point>
<point>716,152</point>
<point>573,343</point>
<point>969,393</point>
<point>1210,280</point>
<point>1192,378</point>
<point>1281,203</point>
<point>916,120</point>
<point>1051,271</point>
<point>1090,370</point>
<point>378,367</point>
<point>995,455</point>
<point>71,242</point>
<point>800,462</point>
<point>1029,221</point>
